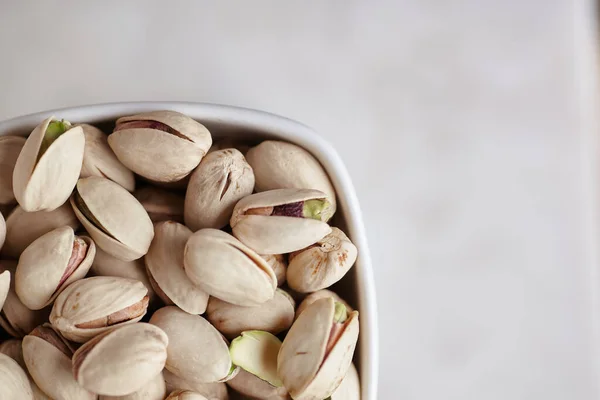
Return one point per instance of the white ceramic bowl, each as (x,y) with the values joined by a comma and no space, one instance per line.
(357,287)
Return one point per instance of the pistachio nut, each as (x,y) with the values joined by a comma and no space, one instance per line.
(99,159)
(279,264)
(220,181)
(10,148)
(321,264)
(164,263)
(279,165)
(256,352)
(282,220)
(175,139)
(185,395)
(14,349)
(197,352)
(153,390)
(4,287)
(318,349)
(14,384)
(160,204)
(2,230)
(252,387)
(212,391)
(121,361)
(48,358)
(224,267)
(311,298)
(275,315)
(113,217)
(349,389)
(94,305)
(16,319)
(51,263)
(22,227)
(48,166)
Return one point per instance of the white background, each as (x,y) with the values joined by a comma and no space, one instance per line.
(455,119)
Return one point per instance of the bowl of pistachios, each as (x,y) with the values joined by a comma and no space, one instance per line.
(180,251)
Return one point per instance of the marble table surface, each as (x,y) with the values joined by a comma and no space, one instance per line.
(457,121)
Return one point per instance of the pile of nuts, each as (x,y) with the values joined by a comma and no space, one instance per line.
(153,264)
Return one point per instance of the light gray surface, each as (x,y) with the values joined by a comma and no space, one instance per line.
(456,122)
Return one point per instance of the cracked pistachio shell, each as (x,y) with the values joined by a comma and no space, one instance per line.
(307,364)
(311,298)
(121,361)
(224,267)
(178,141)
(277,234)
(185,395)
(279,165)
(164,263)
(94,305)
(253,387)
(16,319)
(349,389)
(43,180)
(274,316)
(13,349)
(279,264)
(125,230)
(99,159)
(197,352)
(48,359)
(160,204)
(14,384)
(22,227)
(2,230)
(220,181)
(10,148)
(322,264)
(153,390)
(212,391)
(50,264)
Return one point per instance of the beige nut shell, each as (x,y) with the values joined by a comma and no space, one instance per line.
(253,387)
(212,391)
(153,390)
(185,395)
(311,298)
(14,384)
(10,148)
(349,389)
(279,264)
(2,230)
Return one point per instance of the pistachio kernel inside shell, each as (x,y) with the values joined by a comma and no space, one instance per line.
(51,336)
(78,254)
(53,132)
(149,124)
(313,209)
(132,312)
(340,317)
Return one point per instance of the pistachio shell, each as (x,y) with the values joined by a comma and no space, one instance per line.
(212,391)
(4,287)
(43,183)
(128,229)
(255,388)
(322,264)
(14,384)
(160,204)
(121,361)
(279,165)
(153,390)
(164,262)
(99,159)
(225,268)
(279,264)
(10,148)
(220,181)
(13,349)
(311,364)
(197,352)
(185,395)
(275,234)
(311,298)
(274,316)
(179,151)
(94,299)
(2,230)
(22,227)
(349,389)
(43,270)
(50,367)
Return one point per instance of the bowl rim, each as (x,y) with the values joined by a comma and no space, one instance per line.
(277,127)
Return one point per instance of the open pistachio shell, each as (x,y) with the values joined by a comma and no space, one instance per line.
(164,262)
(279,165)
(48,165)
(51,263)
(113,217)
(311,298)
(99,159)
(122,360)
(185,395)
(274,316)
(279,264)
(160,204)
(14,349)
(212,391)
(220,181)
(91,306)
(153,390)
(22,227)
(197,352)
(10,148)
(349,389)
(318,350)
(281,221)
(224,267)
(253,387)
(175,139)
(14,384)
(322,264)
(48,359)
